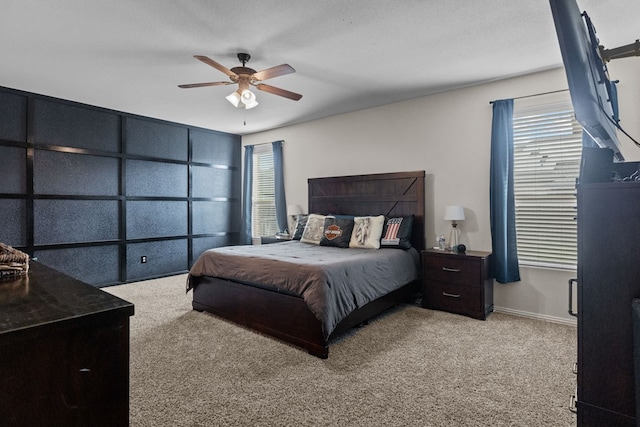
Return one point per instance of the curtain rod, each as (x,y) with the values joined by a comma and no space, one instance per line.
(536,94)
(265,143)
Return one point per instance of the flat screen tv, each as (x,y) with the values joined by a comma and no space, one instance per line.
(589,83)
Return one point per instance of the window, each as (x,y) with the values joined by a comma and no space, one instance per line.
(547,150)
(263,200)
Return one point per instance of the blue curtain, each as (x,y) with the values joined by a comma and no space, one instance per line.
(278,180)
(502,203)
(247,185)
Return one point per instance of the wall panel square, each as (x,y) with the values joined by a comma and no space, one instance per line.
(13,222)
(13,169)
(59,173)
(13,111)
(215,182)
(156,218)
(215,148)
(56,123)
(215,217)
(163,257)
(95,265)
(75,221)
(156,179)
(156,139)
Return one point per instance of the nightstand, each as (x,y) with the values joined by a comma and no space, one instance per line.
(274,239)
(457,282)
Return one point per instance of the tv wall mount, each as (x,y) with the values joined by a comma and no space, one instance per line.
(626,51)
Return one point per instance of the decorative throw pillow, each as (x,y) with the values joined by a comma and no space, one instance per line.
(367,231)
(397,232)
(314,229)
(299,228)
(337,232)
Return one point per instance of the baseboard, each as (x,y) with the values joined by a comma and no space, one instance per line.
(537,316)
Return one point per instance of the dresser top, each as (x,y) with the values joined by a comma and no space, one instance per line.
(45,296)
(475,254)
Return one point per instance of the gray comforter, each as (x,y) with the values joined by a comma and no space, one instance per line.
(332,281)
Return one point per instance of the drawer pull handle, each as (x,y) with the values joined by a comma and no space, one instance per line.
(446,294)
(571,282)
(452,270)
(573,407)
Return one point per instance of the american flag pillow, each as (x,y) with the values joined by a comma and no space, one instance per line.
(397,232)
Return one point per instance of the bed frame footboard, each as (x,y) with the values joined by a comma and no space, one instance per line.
(282,316)
(279,315)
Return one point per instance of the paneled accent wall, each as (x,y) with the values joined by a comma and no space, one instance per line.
(92,192)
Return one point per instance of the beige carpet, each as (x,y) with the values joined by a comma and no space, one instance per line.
(408,367)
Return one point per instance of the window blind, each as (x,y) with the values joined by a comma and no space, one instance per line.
(263,202)
(547,151)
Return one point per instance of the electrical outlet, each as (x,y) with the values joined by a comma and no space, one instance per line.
(143,259)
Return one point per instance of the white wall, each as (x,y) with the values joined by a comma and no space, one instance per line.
(627,70)
(448,136)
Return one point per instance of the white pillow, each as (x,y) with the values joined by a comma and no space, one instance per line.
(314,230)
(367,232)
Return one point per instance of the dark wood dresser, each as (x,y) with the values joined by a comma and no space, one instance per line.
(457,282)
(64,352)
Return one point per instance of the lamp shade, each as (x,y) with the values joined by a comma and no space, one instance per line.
(248,98)
(294,209)
(454,213)
(234,99)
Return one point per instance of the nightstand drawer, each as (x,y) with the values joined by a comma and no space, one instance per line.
(455,298)
(453,270)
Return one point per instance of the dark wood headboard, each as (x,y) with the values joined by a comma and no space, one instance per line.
(389,194)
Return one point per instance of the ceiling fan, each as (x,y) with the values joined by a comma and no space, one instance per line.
(245,77)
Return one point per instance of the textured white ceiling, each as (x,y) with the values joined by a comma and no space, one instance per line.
(130,55)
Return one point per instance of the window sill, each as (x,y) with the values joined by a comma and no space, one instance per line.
(544,266)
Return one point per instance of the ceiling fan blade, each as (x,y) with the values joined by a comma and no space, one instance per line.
(278,70)
(277,91)
(187,86)
(215,65)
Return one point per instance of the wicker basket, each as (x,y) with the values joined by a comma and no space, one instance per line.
(12,262)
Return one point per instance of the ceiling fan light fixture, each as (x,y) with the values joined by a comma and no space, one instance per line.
(245,100)
(248,98)
(234,99)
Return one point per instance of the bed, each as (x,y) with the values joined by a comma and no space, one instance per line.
(280,306)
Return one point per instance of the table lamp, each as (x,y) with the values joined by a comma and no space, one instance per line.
(454,213)
(293,211)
